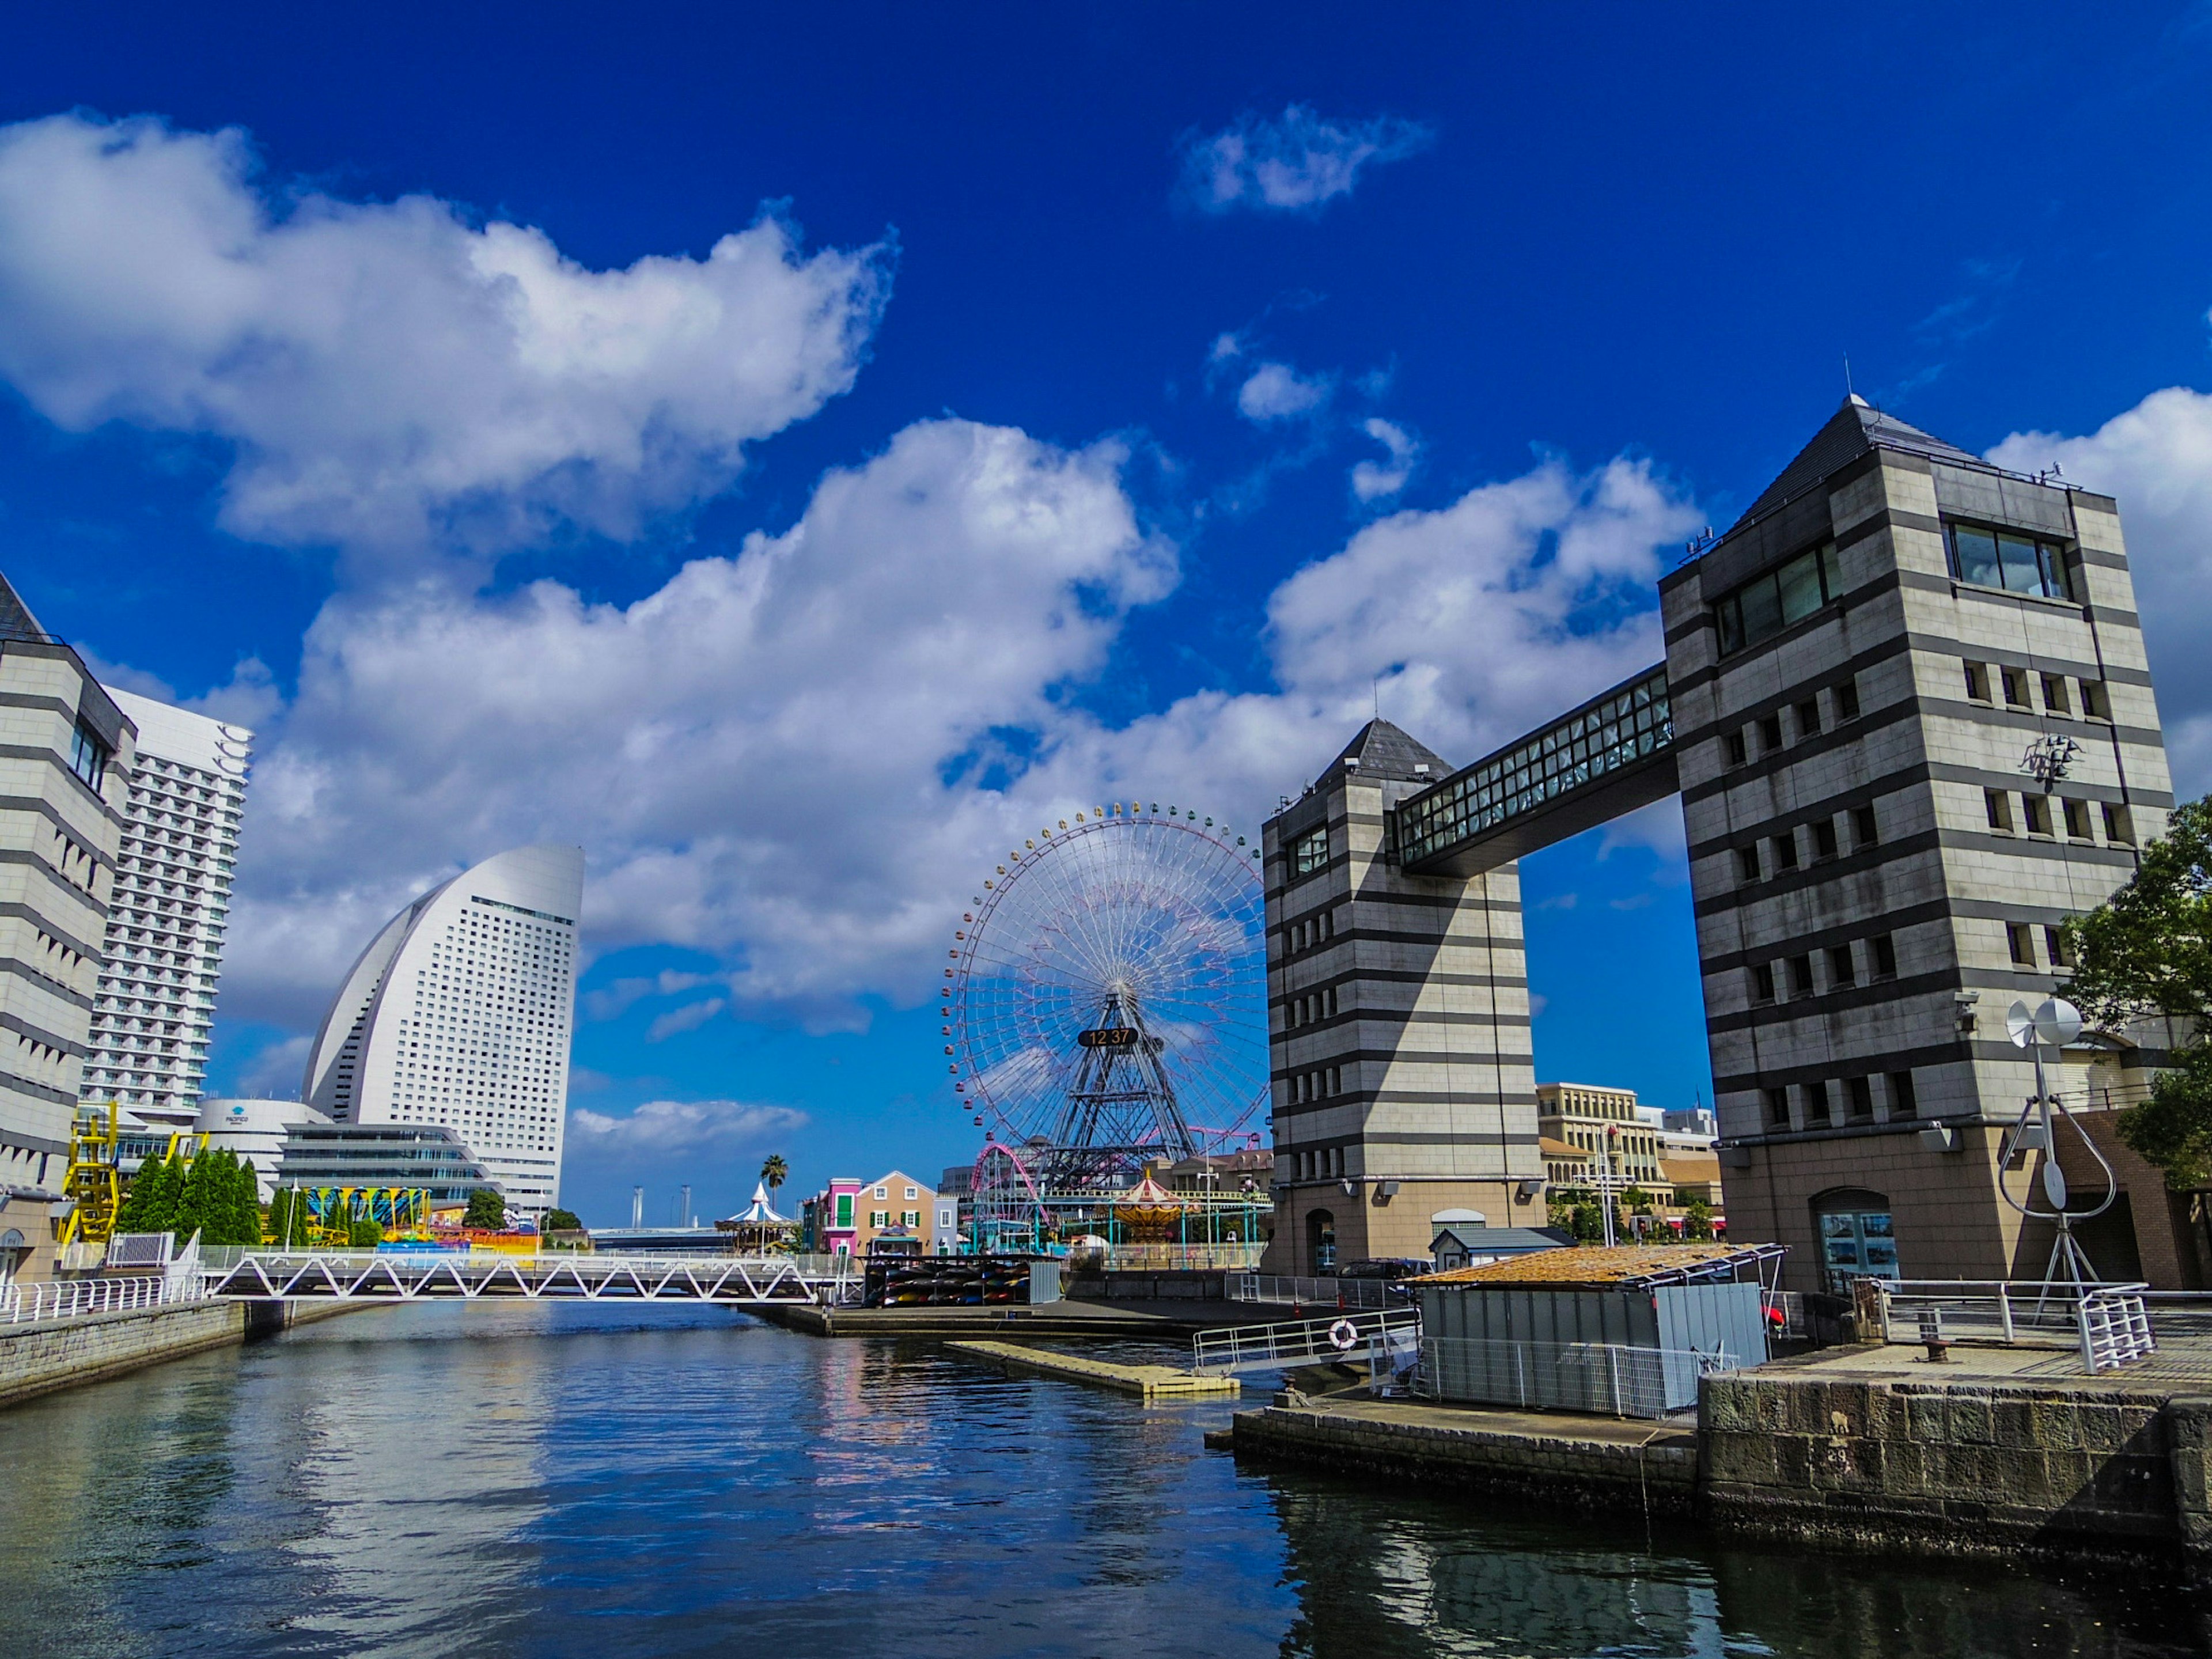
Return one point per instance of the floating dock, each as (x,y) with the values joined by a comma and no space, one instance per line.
(1148,1383)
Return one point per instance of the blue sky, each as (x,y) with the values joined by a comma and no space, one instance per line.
(1084,398)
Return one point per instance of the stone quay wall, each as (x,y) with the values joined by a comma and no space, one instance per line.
(40,1357)
(1655,1471)
(1970,1468)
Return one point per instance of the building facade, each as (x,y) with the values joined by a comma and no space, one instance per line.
(829,1222)
(257,1130)
(65,762)
(320,1153)
(1916,732)
(459,1015)
(154,1008)
(1398,1015)
(1605,1125)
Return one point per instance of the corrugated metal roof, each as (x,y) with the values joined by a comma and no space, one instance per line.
(1591,1267)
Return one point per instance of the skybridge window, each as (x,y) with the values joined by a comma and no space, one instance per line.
(1776,599)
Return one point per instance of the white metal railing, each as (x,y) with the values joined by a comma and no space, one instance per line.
(1233,1256)
(1351,1337)
(1606,1377)
(77,1298)
(410,1275)
(1308,1292)
(2109,1324)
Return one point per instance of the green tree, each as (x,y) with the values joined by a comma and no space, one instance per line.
(1638,1200)
(1697,1219)
(562,1221)
(150,1205)
(280,1217)
(487,1211)
(365,1235)
(2147,951)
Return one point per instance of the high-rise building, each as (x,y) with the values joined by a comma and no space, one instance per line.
(64,766)
(459,1014)
(163,944)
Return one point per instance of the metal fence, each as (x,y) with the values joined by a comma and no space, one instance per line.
(2109,1325)
(1605,1377)
(1168,1258)
(1309,1292)
(19,1304)
(1351,1338)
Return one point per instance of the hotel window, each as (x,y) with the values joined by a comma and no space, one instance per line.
(1998,804)
(2095,703)
(1762,981)
(2015,686)
(2054,694)
(2054,943)
(2038,814)
(2077,819)
(1885,956)
(1977,682)
(1841,972)
(1738,753)
(1785,850)
(1861,1092)
(1824,839)
(1771,601)
(1770,734)
(2118,826)
(2008,559)
(2021,941)
(1903,1101)
(1801,976)
(1778,1108)
(1310,851)
(1808,719)
(88,756)
(1863,829)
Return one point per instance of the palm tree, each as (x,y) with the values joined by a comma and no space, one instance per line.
(775,1172)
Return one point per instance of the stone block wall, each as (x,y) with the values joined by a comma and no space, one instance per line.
(39,1358)
(1965,1467)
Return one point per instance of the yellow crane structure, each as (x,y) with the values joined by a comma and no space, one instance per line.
(93,1184)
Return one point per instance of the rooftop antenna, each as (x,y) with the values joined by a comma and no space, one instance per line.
(1849,390)
(1374,684)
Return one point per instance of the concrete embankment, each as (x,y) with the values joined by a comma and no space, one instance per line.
(1171,1323)
(40,1357)
(1148,1383)
(1858,1451)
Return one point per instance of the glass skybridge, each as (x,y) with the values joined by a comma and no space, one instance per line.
(1610,756)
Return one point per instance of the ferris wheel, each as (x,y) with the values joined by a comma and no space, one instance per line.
(1107,1002)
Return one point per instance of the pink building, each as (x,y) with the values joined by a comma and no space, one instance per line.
(828,1223)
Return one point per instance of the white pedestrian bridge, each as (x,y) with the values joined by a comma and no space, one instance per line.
(565,1276)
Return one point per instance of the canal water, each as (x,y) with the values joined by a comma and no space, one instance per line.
(549,1481)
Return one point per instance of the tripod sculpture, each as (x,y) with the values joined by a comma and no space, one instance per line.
(2056,1022)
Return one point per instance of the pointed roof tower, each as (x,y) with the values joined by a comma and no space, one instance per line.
(1384,752)
(1851,431)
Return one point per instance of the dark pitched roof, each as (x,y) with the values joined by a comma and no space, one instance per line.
(1854,429)
(1383,751)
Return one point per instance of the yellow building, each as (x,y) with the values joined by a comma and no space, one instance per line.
(1602,1124)
(893,1203)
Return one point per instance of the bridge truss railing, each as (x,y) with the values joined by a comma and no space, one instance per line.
(407,1276)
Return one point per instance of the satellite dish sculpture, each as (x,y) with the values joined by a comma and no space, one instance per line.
(2056,1022)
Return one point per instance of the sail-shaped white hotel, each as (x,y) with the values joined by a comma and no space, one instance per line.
(459,1014)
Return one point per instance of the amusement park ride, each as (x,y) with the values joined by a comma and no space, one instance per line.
(1105,1012)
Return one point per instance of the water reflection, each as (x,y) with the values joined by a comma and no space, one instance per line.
(547,1482)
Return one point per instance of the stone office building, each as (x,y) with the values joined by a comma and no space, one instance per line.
(1907,709)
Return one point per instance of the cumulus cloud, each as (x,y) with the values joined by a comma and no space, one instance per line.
(689,1126)
(612,1001)
(1370,480)
(775,757)
(391,375)
(1276,391)
(2156,458)
(1295,163)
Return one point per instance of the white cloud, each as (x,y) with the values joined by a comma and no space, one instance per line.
(1276,391)
(2156,458)
(391,374)
(612,1001)
(665,1126)
(1297,163)
(775,757)
(689,1018)
(1373,479)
